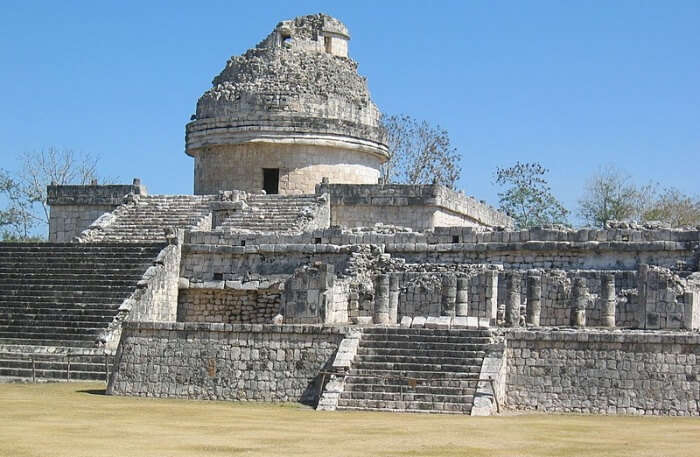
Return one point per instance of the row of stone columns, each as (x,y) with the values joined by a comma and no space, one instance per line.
(534,300)
(455,299)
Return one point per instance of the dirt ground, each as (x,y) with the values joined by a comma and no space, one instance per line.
(79,420)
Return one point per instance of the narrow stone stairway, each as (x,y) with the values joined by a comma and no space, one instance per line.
(273,213)
(415,370)
(55,298)
(145,219)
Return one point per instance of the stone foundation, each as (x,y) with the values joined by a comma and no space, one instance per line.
(223,362)
(604,372)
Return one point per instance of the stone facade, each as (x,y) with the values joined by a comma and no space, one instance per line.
(257,306)
(419,207)
(223,361)
(241,167)
(604,372)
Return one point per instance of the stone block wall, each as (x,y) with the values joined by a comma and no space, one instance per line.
(250,362)
(603,372)
(228,306)
(515,250)
(240,166)
(420,207)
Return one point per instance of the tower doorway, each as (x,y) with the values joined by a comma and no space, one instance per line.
(271,180)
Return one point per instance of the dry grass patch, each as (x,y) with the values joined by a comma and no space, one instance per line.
(77,420)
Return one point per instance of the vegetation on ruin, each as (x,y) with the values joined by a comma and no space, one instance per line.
(77,420)
(419,153)
(611,194)
(527,197)
(24,208)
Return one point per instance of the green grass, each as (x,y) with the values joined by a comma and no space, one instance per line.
(77,420)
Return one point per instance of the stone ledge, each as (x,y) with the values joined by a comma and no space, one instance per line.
(603,336)
(253,328)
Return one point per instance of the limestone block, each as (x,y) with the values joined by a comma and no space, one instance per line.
(418,322)
(460,322)
(406,322)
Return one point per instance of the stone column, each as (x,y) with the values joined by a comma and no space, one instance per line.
(394,297)
(513,300)
(534,300)
(353,306)
(449,295)
(578,313)
(462,304)
(491,296)
(642,294)
(381,301)
(609,299)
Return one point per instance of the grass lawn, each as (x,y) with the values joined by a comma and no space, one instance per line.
(78,420)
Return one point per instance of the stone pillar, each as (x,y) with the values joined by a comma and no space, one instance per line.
(353,306)
(394,297)
(642,294)
(513,300)
(491,296)
(580,295)
(609,298)
(691,316)
(381,301)
(462,303)
(534,300)
(449,295)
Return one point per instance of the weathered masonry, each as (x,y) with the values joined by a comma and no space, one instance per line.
(291,275)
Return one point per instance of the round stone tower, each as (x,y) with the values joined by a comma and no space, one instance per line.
(286,114)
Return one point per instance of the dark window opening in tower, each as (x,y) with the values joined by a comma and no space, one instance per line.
(327,42)
(271,180)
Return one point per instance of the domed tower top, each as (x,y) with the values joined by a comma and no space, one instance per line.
(287,113)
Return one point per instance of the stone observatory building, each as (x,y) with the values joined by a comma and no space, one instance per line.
(286,114)
(291,275)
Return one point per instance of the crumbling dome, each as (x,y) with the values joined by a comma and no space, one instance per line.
(286,114)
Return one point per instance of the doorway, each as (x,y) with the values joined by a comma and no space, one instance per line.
(271,180)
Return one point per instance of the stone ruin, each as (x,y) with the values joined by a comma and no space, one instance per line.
(291,275)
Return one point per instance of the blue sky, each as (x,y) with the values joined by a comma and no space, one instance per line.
(574,85)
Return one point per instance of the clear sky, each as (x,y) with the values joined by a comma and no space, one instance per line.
(574,85)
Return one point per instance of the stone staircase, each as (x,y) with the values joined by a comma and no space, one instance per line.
(274,213)
(55,298)
(415,370)
(145,219)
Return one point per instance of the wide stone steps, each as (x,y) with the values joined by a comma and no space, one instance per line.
(411,352)
(43,321)
(415,370)
(50,332)
(371,385)
(425,360)
(51,306)
(56,342)
(404,406)
(62,296)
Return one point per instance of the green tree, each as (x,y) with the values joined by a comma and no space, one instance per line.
(527,197)
(419,153)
